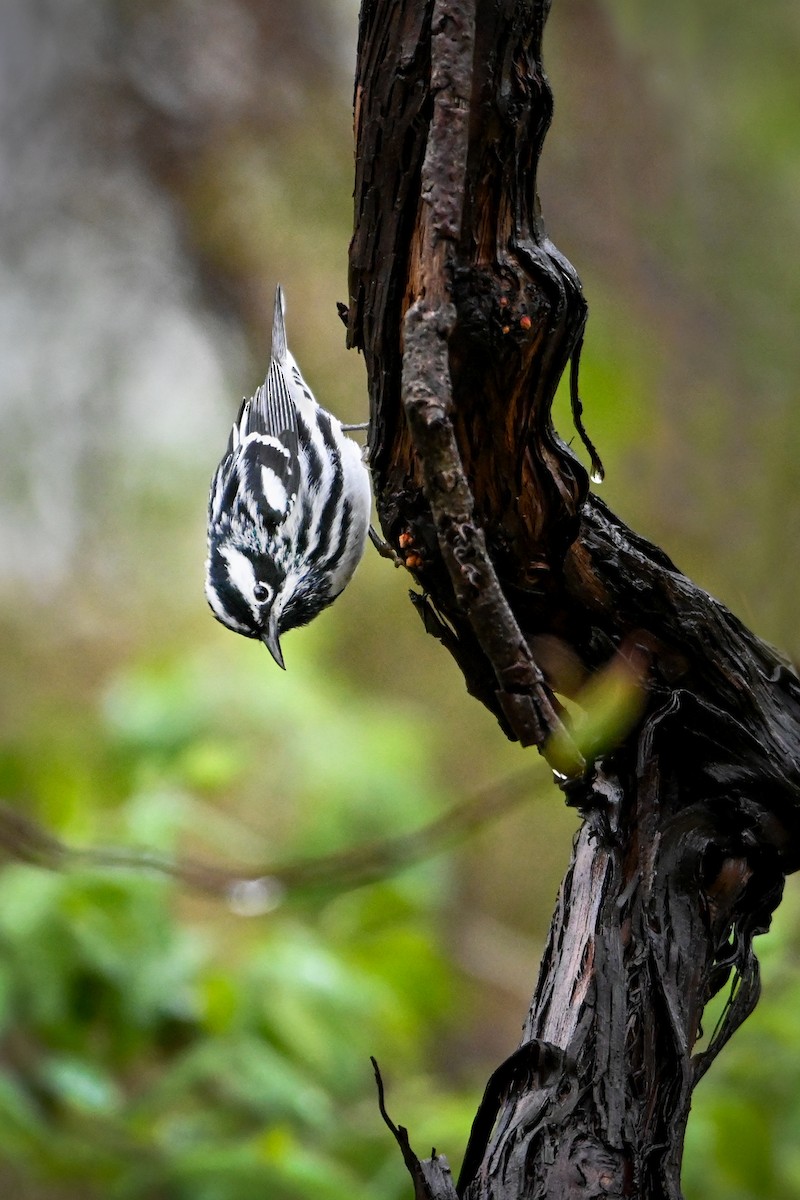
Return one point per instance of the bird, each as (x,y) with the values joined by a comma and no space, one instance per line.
(289,507)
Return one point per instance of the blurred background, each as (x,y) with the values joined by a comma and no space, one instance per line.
(162,165)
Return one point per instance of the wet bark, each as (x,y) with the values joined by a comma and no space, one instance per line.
(467,316)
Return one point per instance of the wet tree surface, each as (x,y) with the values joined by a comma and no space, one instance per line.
(467,317)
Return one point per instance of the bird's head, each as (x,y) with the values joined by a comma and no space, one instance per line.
(244,589)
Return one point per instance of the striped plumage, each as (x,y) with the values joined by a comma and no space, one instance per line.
(288,513)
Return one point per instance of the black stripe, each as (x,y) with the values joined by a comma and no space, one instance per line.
(335,556)
(310,459)
(304,527)
(330,508)
(324,423)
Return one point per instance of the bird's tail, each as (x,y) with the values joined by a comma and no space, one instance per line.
(279,327)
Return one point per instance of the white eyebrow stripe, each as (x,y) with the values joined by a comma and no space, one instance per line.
(222,612)
(241,575)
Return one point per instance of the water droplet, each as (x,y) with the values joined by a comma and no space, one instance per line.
(597,475)
(254,897)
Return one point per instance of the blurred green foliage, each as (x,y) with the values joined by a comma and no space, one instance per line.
(158,1045)
(166,164)
(742,1137)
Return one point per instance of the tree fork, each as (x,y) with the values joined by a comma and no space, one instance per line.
(467,316)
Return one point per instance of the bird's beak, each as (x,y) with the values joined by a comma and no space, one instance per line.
(270,640)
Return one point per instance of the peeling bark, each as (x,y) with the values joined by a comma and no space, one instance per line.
(467,316)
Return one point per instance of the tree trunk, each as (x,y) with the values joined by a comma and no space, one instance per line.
(467,316)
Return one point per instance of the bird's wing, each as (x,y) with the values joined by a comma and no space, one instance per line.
(266,459)
(261,467)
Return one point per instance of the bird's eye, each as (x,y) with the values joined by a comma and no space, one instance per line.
(261,593)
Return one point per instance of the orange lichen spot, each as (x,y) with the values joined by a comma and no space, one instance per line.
(506,329)
(413,562)
(525,322)
(405,540)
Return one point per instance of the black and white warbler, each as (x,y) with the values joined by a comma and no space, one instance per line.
(288,514)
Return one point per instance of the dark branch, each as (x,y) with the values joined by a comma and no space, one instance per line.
(25,840)
(468,316)
(431,1176)
(527,705)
